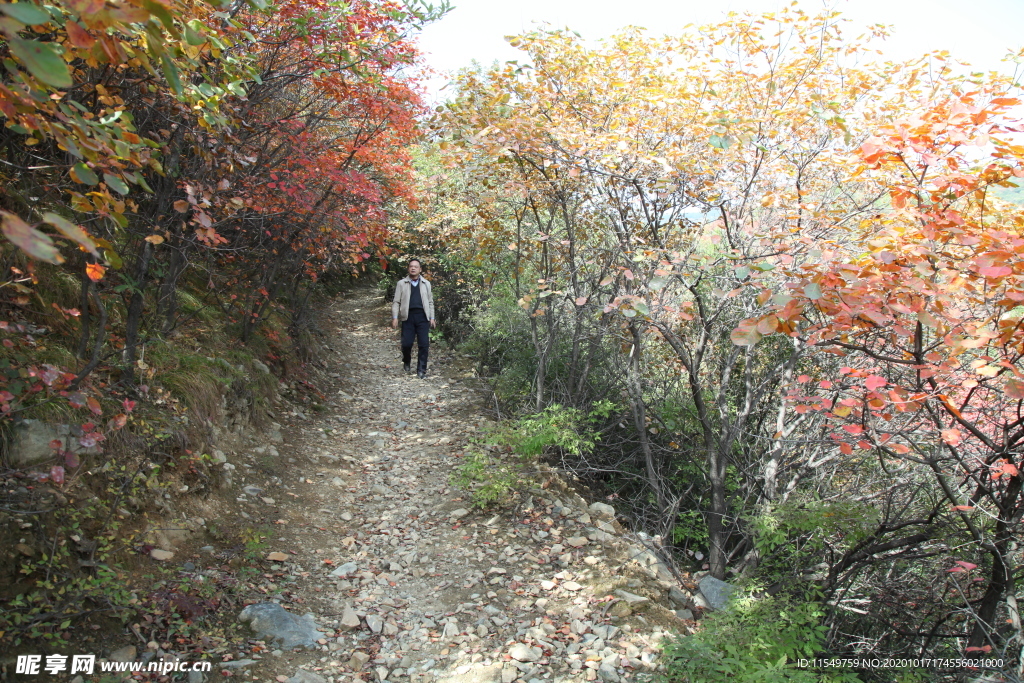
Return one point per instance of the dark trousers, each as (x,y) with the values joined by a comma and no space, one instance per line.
(416,326)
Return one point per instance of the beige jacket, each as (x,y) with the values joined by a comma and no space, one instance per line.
(403,291)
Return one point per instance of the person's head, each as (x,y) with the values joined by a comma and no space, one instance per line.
(415,268)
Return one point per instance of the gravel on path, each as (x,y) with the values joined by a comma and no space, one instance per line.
(406,579)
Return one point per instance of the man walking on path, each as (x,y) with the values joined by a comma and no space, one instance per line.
(414,306)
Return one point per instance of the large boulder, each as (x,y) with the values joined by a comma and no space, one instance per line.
(272,621)
(716,592)
(29,442)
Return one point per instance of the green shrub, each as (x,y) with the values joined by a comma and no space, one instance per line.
(758,640)
(555,426)
(493,478)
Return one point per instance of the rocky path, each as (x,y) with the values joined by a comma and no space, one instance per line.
(405,580)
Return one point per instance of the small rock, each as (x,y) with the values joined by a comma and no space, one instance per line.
(375,623)
(509,674)
(26,550)
(303,676)
(684,614)
(236,664)
(591,560)
(607,673)
(345,570)
(277,557)
(358,661)
(602,510)
(620,609)
(678,596)
(161,555)
(458,514)
(577,541)
(571,586)
(524,653)
(451,629)
(124,654)
(349,618)
(632,598)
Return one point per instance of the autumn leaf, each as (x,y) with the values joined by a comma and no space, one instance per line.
(72,231)
(94,406)
(768,324)
(26,12)
(95,271)
(745,334)
(115,183)
(34,243)
(78,36)
(81,173)
(1014,388)
(951,437)
(875,382)
(42,61)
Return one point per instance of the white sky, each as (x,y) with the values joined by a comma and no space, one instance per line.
(977,31)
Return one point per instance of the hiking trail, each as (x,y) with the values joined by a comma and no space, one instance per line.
(404,578)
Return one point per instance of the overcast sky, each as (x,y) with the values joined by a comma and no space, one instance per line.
(978,31)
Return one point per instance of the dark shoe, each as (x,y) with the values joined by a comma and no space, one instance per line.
(408,368)
(421,374)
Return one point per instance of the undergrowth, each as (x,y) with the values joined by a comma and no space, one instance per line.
(72,533)
(755,639)
(499,462)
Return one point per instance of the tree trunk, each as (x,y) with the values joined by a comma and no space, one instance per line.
(135,305)
(1001,579)
(717,535)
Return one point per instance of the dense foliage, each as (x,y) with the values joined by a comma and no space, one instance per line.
(790,269)
(172,166)
(762,288)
